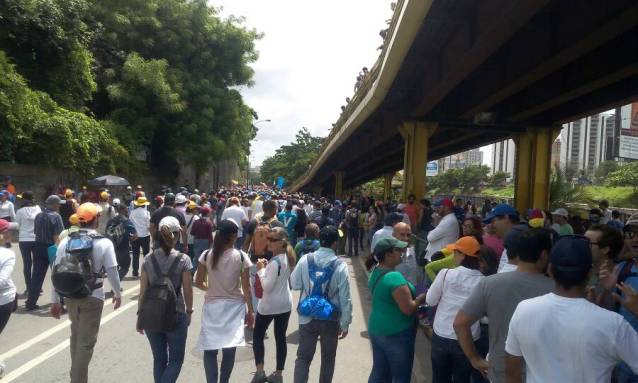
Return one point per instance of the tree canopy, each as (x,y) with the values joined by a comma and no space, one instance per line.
(626,175)
(467,179)
(292,160)
(158,77)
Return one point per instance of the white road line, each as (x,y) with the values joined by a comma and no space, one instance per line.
(50,332)
(13,375)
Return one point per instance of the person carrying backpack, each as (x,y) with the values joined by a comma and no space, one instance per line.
(121,231)
(325,307)
(165,304)
(81,261)
(311,243)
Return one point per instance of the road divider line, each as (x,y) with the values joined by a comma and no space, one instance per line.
(52,331)
(15,374)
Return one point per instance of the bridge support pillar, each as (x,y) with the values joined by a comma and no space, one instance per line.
(533,167)
(416,135)
(387,186)
(338,185)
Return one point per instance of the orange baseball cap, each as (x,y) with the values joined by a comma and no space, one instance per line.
(87,212)
(467,245)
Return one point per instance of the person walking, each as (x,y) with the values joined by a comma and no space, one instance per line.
(47,227)
(392,323)
(141,218)
(84,301)
(333,289)
(352,226)
(121,231)
(448,292)
(25,218)
(8,295)
(168,347)
(202,232)
(275,304)
(227,297)
(237,214)
(7,212)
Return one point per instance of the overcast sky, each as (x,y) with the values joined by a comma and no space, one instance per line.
(310,56)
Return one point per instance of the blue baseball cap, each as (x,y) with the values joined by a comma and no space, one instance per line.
(501,209)
(572,253)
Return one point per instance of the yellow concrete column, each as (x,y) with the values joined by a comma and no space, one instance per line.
(387,186)
(338,185)
(533,167)
(416,135)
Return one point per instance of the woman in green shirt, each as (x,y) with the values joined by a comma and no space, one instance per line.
(392,323)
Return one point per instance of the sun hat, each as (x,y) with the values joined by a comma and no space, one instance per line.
(386,244)
(467,245)
(141,201)
(104,195)
(88,211)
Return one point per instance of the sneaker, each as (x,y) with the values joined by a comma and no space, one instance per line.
(31,307)
(3,368)
(260,377)
(272,378)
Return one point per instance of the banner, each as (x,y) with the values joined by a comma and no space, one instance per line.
(280,182)
(432,169)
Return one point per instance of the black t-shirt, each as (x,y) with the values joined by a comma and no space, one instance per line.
(166,211)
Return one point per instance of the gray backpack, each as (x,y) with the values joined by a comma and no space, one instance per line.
(158,311)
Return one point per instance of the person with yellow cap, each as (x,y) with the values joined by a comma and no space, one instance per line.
(141,218)
(69,208)
(108,212)
(450,289)
(85,304)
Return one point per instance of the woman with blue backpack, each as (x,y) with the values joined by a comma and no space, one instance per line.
(275,304)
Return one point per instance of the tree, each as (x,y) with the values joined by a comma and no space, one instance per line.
(626,175)
(473,177)
(293,160)
(499,178)
(603,169)
(562,192)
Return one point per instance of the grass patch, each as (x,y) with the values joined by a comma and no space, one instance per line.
(502,192)
(620,196)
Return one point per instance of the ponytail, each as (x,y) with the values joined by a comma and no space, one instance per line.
(220,243)
(166,239)
(291,256)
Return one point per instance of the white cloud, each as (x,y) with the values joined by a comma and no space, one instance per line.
(310,56)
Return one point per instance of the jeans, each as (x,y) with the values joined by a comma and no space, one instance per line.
(85,315)
(483,347)
(327,332)
(625,375)
(261,325)
(145,244)
(27,249)
(210,365)
(168,351)
(40,267)
(392,357)
(5,313)
(199,246)
(123,261)
(353,240)
(449,363)
(362,233)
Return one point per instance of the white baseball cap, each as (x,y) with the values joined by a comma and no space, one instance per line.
(561,212)
(180,199)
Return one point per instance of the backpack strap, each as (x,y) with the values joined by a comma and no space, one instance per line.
(379,278)
(278,261)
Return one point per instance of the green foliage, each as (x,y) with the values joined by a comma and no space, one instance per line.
(499,178)
(626,175)
(293,160)
(562,192)
(603,169)
(468,179)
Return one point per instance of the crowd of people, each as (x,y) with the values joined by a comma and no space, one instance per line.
(503,297)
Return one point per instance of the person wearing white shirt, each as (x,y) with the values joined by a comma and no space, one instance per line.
(7,212)
(446,232)
(25,218)
(141,218)
(238,215)
(562,337)
(448,292)
(7,288)
(387,230)
(276,302)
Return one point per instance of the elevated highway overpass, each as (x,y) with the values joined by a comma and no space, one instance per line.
(459,74)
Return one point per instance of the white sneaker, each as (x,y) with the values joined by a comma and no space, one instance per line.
(2,369)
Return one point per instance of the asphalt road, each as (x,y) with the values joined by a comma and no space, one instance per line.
(34,346)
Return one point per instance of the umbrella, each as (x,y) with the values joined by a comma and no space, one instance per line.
(109,180)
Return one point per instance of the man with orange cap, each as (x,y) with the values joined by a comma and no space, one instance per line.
(85,312)
(107,212)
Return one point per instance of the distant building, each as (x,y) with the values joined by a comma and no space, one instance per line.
(461,160)
(589,141)
(503,157)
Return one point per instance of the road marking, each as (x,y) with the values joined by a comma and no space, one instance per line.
(23,346)
(51,352)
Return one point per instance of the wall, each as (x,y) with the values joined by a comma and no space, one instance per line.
(218,174)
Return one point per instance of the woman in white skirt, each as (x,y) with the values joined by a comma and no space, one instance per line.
(276,303)
(224,315)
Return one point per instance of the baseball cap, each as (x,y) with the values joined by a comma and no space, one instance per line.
(400,206)
(205,210)
(88,211)
(54,199)
(561,212)
(444,202)
(501,209)
(169,198)
(328,235)
(389,243)
(228,226)
(74,219)
(171,223)
(392,219)
(104,195)
(192,205)
(26,195)
(68,193)
(467,245)
(572,253)
(180,199)
(141,201)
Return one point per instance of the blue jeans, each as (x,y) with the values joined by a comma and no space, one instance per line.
(449,363)
(392,357)
(199,246)
(625,375)
(168,351)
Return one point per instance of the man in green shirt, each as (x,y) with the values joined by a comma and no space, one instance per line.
(560,222)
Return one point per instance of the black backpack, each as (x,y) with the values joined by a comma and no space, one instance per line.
(73,275)
(158,311)
(116,230)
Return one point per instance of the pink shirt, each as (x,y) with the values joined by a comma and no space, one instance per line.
(224,281)
(493,242)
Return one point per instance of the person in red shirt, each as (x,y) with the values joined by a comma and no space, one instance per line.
(413,210)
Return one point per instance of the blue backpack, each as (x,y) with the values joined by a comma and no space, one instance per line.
(317,305)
